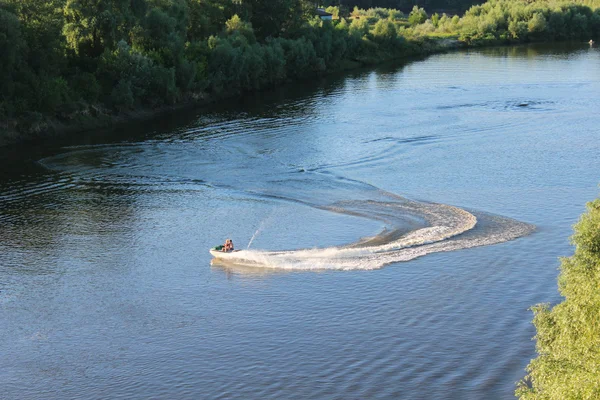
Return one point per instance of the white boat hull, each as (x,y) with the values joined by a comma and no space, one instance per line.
(223,254)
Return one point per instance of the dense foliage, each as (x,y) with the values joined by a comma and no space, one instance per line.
(506,21)
(72,58)
(76,60)
(568,335)
(406,5)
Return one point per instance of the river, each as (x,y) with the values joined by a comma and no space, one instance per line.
(395,225)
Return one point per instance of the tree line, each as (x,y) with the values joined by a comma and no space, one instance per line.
(76,60)
(455,6)
(510,21)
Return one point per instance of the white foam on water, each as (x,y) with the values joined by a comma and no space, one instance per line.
(460,231)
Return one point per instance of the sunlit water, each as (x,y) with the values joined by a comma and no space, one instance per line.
(402,220)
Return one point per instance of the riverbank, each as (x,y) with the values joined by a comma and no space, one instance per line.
(95,117)
(19,131)
(57,79)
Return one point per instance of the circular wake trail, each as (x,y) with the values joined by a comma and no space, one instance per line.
(412,228)
(450,228)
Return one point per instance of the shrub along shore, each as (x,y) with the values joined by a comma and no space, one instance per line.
(71,65)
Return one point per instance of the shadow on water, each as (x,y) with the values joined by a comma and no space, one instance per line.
(289,100)
(532,51)
(267,103)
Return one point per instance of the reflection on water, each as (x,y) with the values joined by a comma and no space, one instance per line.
(107,288)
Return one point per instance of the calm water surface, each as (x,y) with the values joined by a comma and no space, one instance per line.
(107,289)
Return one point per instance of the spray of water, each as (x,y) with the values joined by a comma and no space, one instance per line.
(261,227)
(254,235)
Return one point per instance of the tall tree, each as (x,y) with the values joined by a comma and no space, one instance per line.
(277,17)
(41,24)
(93,25)
(207,17)
(568,335)
(12,48)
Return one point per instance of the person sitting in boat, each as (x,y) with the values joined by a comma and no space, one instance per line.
(228,246)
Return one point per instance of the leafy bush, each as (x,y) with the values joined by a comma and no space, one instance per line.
(51,93)
(334,11)
(395,15)
(537,24)
(359,27)
(86,86)
(518,29)
(12,47)
(384,31)
(300,57)
(235,25)
(417,16)
(568,333)
(122,96)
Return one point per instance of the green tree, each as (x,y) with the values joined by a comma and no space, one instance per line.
(435,19)
(235,25)
(537,24)
(334,11)
(384,31)
(579,26)
(274,17)
(518,30)
(93,25)
(12,47)
(395,15)
(161,34)
(417,16)
(359,27)
(556,25)
(206,17)
(568,334)
(41,24)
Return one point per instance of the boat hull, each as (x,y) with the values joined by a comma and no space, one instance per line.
(222,254)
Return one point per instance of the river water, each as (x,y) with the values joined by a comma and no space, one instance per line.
(395,225)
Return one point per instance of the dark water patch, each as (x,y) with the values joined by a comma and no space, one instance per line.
(530,105)
(416,140)
(505,105)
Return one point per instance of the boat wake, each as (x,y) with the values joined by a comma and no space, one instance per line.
(414,230)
